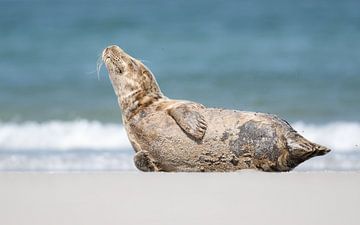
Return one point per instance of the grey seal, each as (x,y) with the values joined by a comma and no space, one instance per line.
(177,135)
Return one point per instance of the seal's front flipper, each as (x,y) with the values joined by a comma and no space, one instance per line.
(144,162)
(189,119)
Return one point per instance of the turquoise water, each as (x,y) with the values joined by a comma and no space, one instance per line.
(300,60)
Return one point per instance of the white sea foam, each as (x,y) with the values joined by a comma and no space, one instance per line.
(338,136)
(66,161)
(90,145)
(84,134)
(62,135)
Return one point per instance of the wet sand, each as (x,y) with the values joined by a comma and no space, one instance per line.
(185,198)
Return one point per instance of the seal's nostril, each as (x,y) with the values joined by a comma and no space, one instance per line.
(106,53)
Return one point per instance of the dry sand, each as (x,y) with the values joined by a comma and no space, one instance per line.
(160,198)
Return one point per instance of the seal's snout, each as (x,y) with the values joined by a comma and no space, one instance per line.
(110,51)
(114,59)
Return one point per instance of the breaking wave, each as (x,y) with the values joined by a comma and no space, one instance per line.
(84,134)
(84,145)
(338,136)
(63,135)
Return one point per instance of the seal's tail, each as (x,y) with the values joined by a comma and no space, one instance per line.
(301,149)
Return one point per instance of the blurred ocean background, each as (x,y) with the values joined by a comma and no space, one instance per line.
(297,59)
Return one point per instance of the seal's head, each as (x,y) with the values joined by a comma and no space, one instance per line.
(132,81)
(117,61)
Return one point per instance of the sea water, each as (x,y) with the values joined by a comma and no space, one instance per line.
(299,60)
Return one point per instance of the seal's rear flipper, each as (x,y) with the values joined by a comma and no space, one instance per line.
(189,119)
(301,149)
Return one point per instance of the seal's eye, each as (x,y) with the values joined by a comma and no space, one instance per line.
(131,66)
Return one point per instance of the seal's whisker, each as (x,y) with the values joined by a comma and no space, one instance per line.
(144,60)
(99,64)
(91,72)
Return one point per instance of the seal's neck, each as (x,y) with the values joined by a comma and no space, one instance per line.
(136,88)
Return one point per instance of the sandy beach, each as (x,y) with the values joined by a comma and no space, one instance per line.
(185,198)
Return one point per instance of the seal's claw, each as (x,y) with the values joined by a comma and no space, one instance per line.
(144,162)
(189,119)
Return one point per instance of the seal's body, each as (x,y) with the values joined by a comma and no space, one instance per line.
(176,135)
